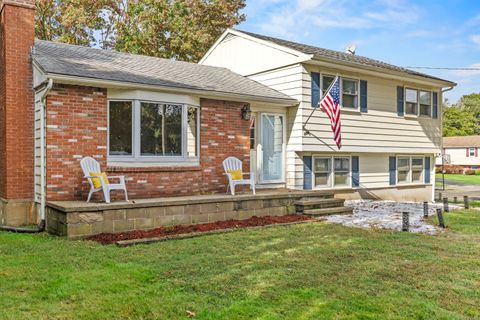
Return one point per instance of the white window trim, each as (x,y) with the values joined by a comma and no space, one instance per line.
(341,90)
(136,156)
(407,115)
(410,170)
(331,176)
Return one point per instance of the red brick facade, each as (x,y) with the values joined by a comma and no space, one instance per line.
(76,120)
(16,99)
(77,127)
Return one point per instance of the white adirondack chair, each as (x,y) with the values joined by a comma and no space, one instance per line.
(88,165)
(232,163)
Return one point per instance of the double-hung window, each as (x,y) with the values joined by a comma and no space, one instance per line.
(152,131)
(349,89)
(410,169)
(418,102)
(349,93)
(411,101)
(331,172)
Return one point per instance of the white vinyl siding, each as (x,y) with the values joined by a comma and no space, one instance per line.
(378,130)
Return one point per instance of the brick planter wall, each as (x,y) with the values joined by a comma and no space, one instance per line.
(77,127)
(78,220)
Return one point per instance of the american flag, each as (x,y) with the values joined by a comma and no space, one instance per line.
(330,104)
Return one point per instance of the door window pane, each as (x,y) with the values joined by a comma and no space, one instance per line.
(120,128)
(160,129)
(272,147)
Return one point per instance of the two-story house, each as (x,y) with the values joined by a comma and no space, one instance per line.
(166,127)
(391,119)
(460,151)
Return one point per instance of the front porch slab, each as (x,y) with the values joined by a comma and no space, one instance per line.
(76,219)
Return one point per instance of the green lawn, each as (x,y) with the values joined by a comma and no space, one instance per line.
(459,178)
(307,271)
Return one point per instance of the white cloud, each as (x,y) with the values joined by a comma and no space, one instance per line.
(475,39)
(290,17)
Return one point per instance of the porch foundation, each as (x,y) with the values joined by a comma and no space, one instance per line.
(75,219)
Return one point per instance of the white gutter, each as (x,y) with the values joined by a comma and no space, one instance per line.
(42,148)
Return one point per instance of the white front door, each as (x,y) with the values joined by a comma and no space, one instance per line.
(272,150)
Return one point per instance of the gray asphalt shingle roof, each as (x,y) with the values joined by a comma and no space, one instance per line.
(321,53)
(461,141)
(85,62)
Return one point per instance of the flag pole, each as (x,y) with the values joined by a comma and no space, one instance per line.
(314,108)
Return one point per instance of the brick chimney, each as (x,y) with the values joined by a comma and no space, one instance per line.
(16,111)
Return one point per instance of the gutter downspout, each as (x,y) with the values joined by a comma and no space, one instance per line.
(43,102)
(41,226)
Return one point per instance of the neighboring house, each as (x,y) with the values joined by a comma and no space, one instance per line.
(391,119)
(461,151)
(168,125)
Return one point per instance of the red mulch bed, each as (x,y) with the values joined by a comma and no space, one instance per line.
(109,238)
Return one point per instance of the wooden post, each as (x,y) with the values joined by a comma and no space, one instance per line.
(455,200)
(425,209)
(439,196)
(405,221)
(445,205)
(466,202)
(441,222)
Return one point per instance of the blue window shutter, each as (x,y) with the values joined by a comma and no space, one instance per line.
(435,106)
(400,106)
(315,89)
(307,173)
(427,169)
(363,96)
(393,170)
(355,172)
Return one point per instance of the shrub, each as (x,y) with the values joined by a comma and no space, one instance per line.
(477,172)
(453,169)
(470,172)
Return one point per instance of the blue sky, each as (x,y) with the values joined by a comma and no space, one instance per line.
(403,32)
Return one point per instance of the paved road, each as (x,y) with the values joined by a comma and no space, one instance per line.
(459,190)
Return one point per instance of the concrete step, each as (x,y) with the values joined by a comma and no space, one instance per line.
(318,203)
(320,195)
(328,211)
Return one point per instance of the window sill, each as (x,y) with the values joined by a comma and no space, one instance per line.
(411,116)
(350,110)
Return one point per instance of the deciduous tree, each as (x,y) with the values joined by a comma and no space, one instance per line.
(176,29)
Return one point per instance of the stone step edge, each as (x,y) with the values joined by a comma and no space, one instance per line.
(318,201)
(328,211)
